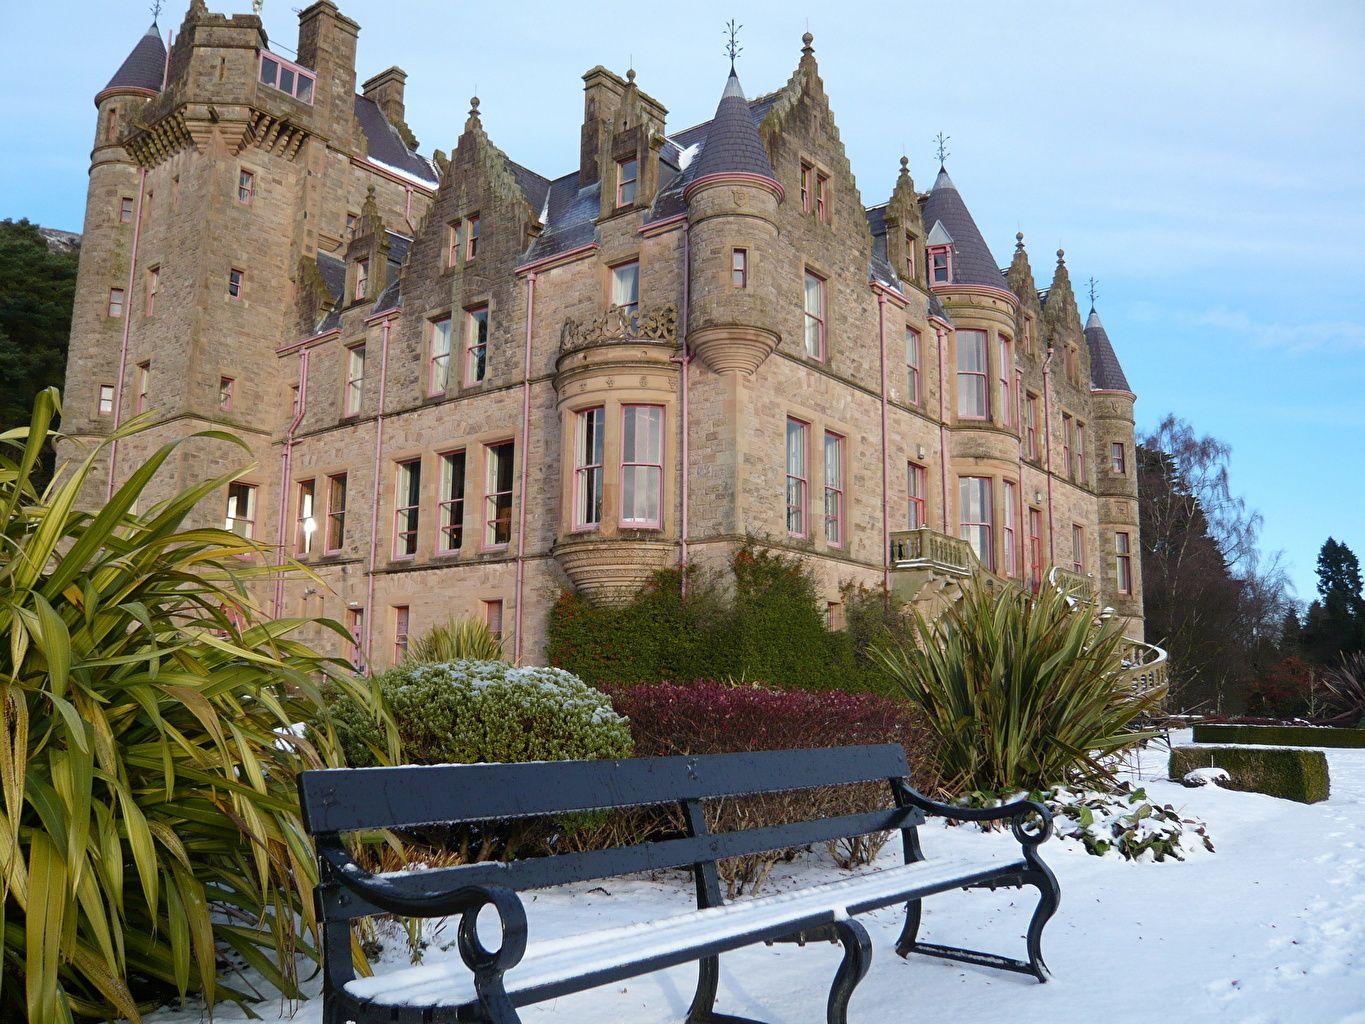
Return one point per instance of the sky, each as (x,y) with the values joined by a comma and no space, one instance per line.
(1205,162)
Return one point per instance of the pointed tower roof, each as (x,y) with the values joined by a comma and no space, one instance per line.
(946,214)
(1105,372)
(733,145)
(145,66)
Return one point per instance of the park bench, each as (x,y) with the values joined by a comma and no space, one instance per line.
(488,984)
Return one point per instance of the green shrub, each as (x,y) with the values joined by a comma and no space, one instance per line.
(467,712)
(1022,692)
(148,747)
(1279,735)
(1292,774)
(457,640)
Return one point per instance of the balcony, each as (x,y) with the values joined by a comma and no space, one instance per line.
(1076,585)
(927,549)
(620,325)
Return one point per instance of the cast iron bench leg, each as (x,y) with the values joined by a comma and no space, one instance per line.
(853,968)
(703,1009)
(1049,896)
(906,942)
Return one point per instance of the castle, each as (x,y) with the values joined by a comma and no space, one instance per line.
(467,387)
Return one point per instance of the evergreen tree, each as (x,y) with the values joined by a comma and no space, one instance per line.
(37,287)
(1336,621)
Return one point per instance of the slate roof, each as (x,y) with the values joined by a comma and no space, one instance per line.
(972,259)
(385,145)
(145,66)
(733,145)
(1105,372)
(333,271)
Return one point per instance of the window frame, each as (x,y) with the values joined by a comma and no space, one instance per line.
(336,517)
(836,490)
(588,474)
(797,477)
(471,237)
(353,381)
(450,508)
(912,365)
(1118,458)
(1123,562)
(153,285)
(246,185)
(987,526)
(227,387)
(1005,374)
(303,536)
(614,279)
(125,209)
(439,360)
(931,254)
(299,73)
(822,197)
(1078,472)
(402,625)
(117,307)
(491,496)
(407,471)
(1078,547)
(1009,546)
(622,182)
(807,193)
(1031,450)
(638,463)
(236,284)
(1035,545)
(143,390)
(493,609)
(980,380)
(250,490)
(100,396)
(820,318)
(1068,428)
(355,628)
(361,289)
(474,348)
(916,495)
(739,267)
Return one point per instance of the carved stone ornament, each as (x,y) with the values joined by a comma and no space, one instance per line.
(617,324)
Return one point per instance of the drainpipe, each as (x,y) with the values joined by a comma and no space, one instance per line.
(287,478)
(943,420)
(1047,448)
(407,207)
(127,327)
(385,327)
(886,531)
(525,460)
(686,420)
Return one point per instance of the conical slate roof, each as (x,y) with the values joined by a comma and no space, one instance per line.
(1105,372)
(145,67)
(733,145)
(972,259)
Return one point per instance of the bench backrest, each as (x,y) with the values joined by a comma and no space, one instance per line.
(352,799)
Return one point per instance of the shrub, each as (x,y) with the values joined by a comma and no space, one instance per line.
(148,748)
(1279,735)
(1292,774)
(1345,686)
(1021,692)
(457,640)
(1284,691)
(708,717)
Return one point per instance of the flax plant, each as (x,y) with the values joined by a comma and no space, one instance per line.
(1022,692)
(150,842)
(463,639)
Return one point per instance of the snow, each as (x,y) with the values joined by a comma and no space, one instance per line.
(1204,776)
(400,172)
(1270,929)
(686,156)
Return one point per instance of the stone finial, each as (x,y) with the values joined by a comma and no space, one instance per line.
(630,75)
(473,121)
(1018,241)
(806,49)
(1061,256)
(905,165)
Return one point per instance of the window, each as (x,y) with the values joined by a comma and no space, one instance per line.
(293,401)
(105,407)
(815,316)
(246,185)
(1006,371)
(910,263)
(973,402)
(362,280)
(226,386)
(492,617)
(450,515)
(1035,546)
(642,465)
(401,620)
(498,494)
(916,484)
(115,302)
(912,366)
(307,524)
(476,344)
(241,510)
(1123,562)
(940,265)
(626,173)
(796,477)
(144,379)
(1078,547)
(807,173)
(471,237)
(355,380)
(739,268)
(454,242)
(336,512)
(587,483)
(834,489)
(1068,435)
(287,77)
(1028,335)
(1031,426)
(822,198)
(407,508)
(111,129)
(235,281)
(351,220)
(974,515)
(438,359)
(125,210)
(153,283)
(1118,460)
(355,626)
(1009,553)
(1078,470)
(625,288)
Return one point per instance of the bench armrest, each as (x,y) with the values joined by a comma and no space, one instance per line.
(1017,812)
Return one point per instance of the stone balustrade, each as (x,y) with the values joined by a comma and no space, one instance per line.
(930,549)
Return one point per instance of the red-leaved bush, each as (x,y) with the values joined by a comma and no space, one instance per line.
(710,717)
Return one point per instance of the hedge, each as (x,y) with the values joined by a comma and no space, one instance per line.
(1280,735)
(1292,774)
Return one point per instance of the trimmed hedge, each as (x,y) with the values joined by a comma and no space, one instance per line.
(1280,735)
(1291,774)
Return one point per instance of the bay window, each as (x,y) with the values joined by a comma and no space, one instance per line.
(974,516)
(642,465)
(587,495)
(973,402)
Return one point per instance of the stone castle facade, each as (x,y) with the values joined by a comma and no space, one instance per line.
(467,387)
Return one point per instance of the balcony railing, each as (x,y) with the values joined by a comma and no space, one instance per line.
(926,548)
(1073,584)
(1146,665)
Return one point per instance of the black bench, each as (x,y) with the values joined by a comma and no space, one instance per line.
(489,984)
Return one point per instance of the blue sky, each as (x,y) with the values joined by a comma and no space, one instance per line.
(1206,162)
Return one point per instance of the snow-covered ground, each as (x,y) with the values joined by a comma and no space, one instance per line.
(1270,928)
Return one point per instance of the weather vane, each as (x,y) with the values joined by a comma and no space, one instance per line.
(1093,292)
(942,141)
(156,10)
(732,48)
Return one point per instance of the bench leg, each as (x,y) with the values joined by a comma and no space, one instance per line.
(853,968)
(703,1008)
(910,931)
(1049,896)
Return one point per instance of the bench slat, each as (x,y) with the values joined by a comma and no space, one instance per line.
(559,869)
(349,799)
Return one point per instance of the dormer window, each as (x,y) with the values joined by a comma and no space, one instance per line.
(362,279)
(940,260)
(287,77)
(627,174)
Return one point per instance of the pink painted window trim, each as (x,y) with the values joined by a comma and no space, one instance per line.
(354,388)
(117,299)
(497,497)
(104,403)
(1067,428)
(1118,458)
(798,476)
(236,283)
(973,375)
(1078,547)
(807,171)
(355,627)
(454,242)
(286,76)
(978,531)
(471,237)
(939,259)
(627,181)
(438,355)
(625,287)
(834,488)
(1123,562)
(1031,427)
(910,262)
(246,185)
(450,509)
(1078,471)
(362,279)
(144,374)
(336,514)
(476,344)
(125,210)
(642,466)
(305,520)
(912,365)
(241,510)
(815,319)
(739,268)
(402,621)
(1035,545)
(153,284)
(589,471)
(917,505)
(822,198)
(407,508)
(226,387)
(1009,554)
(1006,373)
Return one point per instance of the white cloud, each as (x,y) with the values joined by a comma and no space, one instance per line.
(1297,338)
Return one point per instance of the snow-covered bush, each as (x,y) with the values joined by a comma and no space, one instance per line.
(1127,821)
